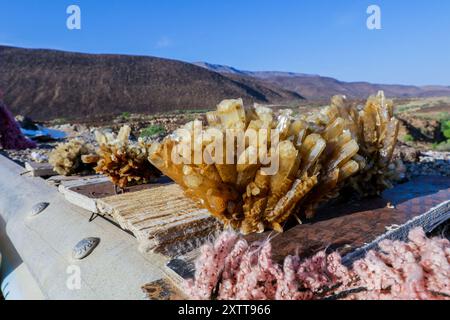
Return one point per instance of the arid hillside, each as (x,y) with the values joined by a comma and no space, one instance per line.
(48,84)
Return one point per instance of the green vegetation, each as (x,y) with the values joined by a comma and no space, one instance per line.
(444,116)
(59,121)
(191,111)
(445,128)
(435,109)
(443,146)
(152,131)
(423,103)
(433,116)
(126,115)
(425,108)
(408,138)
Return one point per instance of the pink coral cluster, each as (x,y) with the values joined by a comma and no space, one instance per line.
(10,135)
(231,269)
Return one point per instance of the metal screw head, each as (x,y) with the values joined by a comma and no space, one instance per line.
(38,208)
(84,248)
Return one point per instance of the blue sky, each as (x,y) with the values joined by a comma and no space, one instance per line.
(326,37)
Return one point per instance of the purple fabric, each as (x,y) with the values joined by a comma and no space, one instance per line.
(10,135)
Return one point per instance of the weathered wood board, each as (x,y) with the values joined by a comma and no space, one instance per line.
(162,219)
(58,180)
(86,191)
(158,215)
(71,191)
(40,169)
(353,228)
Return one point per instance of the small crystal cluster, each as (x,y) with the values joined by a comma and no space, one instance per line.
(376,130)
(319,154)
(232,269)
(124,161)
(66,157)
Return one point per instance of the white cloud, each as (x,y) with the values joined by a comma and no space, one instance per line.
(164,42)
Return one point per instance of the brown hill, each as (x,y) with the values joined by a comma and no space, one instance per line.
(318,87)
(46,84)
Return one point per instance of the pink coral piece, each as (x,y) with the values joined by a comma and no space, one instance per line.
(231,269)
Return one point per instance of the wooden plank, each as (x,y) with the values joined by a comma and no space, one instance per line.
(70,190)
(352,228)
(39,169)
(57,180)
(162,219)
(86,191)
(103,187)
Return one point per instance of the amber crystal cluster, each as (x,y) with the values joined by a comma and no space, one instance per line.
(316,155)
(124,161)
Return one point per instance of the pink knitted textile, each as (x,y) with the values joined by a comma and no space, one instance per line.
(231,269)
(10,135)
